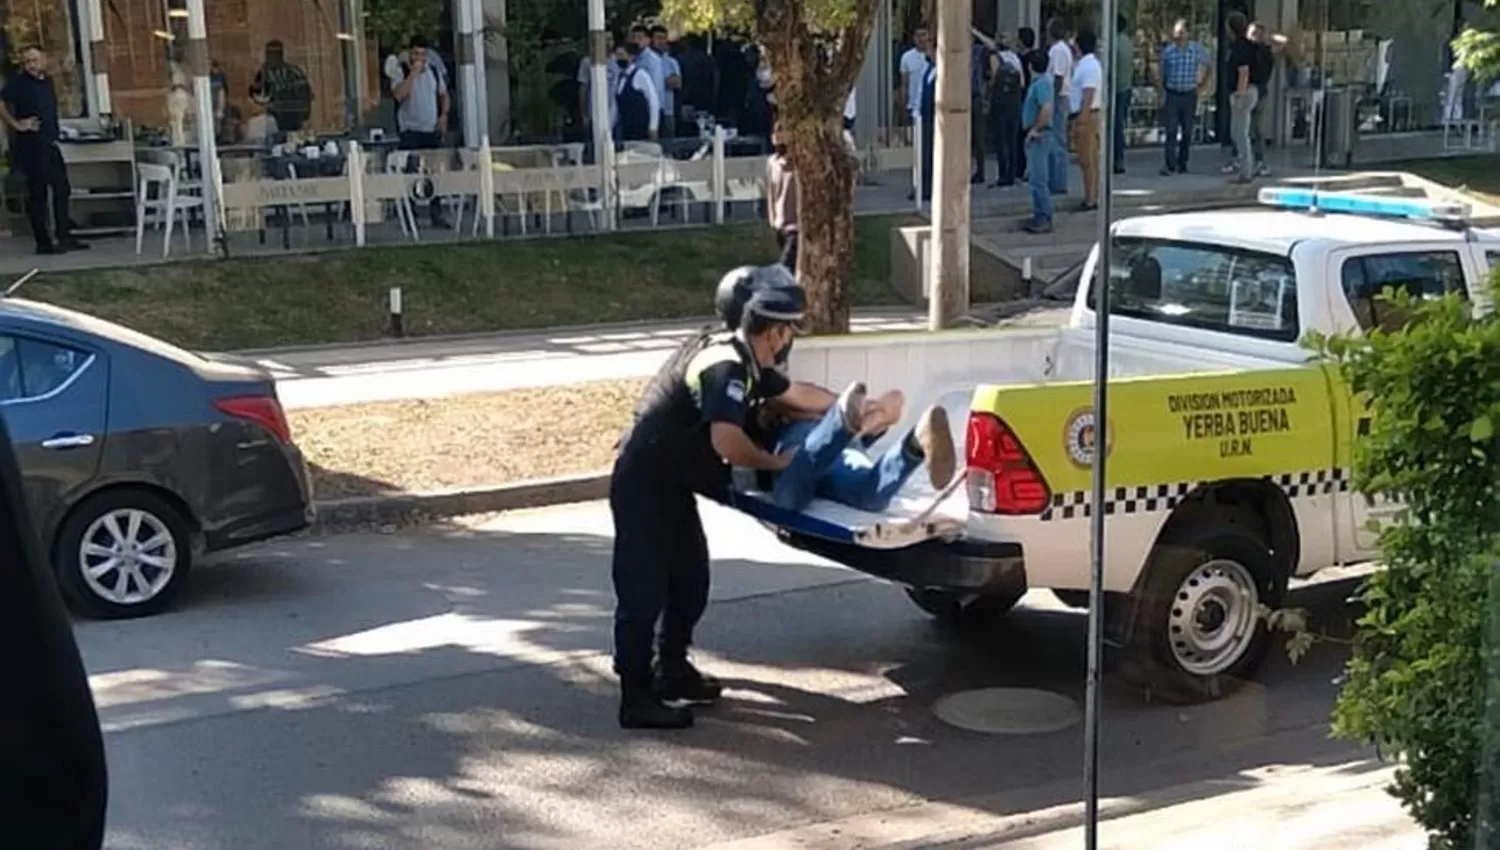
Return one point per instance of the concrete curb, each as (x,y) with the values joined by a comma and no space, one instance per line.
(402,508)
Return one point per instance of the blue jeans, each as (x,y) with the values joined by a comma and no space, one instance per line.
(1039,155)
(826,466)
(1121,118)
(1177,117)
(1058,181)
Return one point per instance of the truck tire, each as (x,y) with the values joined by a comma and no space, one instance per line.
(1198,634)
(959,609)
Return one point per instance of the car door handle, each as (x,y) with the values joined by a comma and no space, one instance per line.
(68,441)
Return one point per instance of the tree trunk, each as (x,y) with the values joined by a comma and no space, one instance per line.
(825,221)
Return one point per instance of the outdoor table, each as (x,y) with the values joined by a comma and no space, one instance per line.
(282,167)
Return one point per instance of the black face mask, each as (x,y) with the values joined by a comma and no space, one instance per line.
(779,149)
(623,63)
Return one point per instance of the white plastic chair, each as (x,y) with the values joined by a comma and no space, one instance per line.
(168,201)
(397,163)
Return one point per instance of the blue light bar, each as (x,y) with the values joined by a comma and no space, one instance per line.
(1285,197)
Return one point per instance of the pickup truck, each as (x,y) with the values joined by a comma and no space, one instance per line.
(1229,446)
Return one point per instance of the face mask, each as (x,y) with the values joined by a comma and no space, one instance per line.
(785,350)
(779,149)
(623,63)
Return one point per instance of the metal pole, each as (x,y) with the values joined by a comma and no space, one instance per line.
(1094,695)
(208,156)
(951,167)
(463,41)
(599,95)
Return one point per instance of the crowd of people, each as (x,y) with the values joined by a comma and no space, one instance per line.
(1036,106)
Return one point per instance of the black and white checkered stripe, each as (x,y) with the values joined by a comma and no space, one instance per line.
(1155,498)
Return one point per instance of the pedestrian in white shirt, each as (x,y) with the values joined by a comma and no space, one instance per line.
(1060,69)
(671,80)
(650,63)
(1084,103)
(913,67)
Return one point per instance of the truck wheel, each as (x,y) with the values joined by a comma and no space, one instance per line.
(1198,634)
(957,608)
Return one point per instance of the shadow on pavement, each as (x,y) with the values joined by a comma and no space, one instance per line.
(449,688)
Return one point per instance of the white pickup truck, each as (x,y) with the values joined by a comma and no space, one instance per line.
(1229,450)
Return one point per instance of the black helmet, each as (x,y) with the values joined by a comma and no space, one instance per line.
(736,288)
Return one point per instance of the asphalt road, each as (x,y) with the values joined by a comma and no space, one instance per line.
(447,689)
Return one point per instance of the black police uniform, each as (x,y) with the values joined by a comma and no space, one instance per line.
(36,154)
(660,567)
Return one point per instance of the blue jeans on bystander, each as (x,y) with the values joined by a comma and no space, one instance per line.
(1039,156)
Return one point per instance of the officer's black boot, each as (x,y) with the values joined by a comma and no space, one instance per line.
(641,708)
(680,681)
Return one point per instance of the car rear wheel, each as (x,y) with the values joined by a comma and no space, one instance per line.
(122,553)
(957,608)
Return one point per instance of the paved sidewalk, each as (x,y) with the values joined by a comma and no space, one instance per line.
(1339,807)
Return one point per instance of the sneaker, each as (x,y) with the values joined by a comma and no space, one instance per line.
(72,245)
(1037,227)
(1230,167)
(852,403)
(641,708)
(935,439)
(48,250)
(1262,170)
(1166,172)
(686,683)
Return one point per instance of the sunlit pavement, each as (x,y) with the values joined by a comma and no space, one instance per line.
(448,688)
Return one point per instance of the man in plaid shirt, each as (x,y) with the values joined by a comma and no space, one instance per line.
(1180,77)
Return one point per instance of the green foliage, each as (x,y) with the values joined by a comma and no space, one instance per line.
(1478,49)
(1415,686)
(392,23)
(823,16)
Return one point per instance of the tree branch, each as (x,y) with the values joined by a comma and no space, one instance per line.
(854,43)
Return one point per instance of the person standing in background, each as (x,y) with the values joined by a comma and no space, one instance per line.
(1027,37)
(913,68)
(585,90)
(1181,74)
(649,61)
(1006,91)
(28,106)
(1084,102)
(1037,114)
(781,200)
(979,65)
(671,81)
(636,105)
(1124,86)
(1243,96)
(422,116)
(286,86)
(1060,69)
(928,114)
(1266,47)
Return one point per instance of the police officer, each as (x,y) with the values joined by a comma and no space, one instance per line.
(689,430)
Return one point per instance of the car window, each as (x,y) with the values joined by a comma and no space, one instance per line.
(1421,274)
(1205,286)
(31,368)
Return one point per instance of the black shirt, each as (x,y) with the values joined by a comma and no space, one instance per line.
(1262,68)
(32,97)
(710,378)
(1242,54)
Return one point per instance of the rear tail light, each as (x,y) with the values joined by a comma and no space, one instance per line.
(264,411)
(1002,477)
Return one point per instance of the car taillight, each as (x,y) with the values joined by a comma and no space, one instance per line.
(1002,478)
(262,410)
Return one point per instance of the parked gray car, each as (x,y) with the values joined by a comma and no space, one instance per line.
(137,456)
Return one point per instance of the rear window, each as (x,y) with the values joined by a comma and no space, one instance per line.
(104,328)
(1204,286)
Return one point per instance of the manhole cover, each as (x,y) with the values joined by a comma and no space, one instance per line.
(1007,711)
